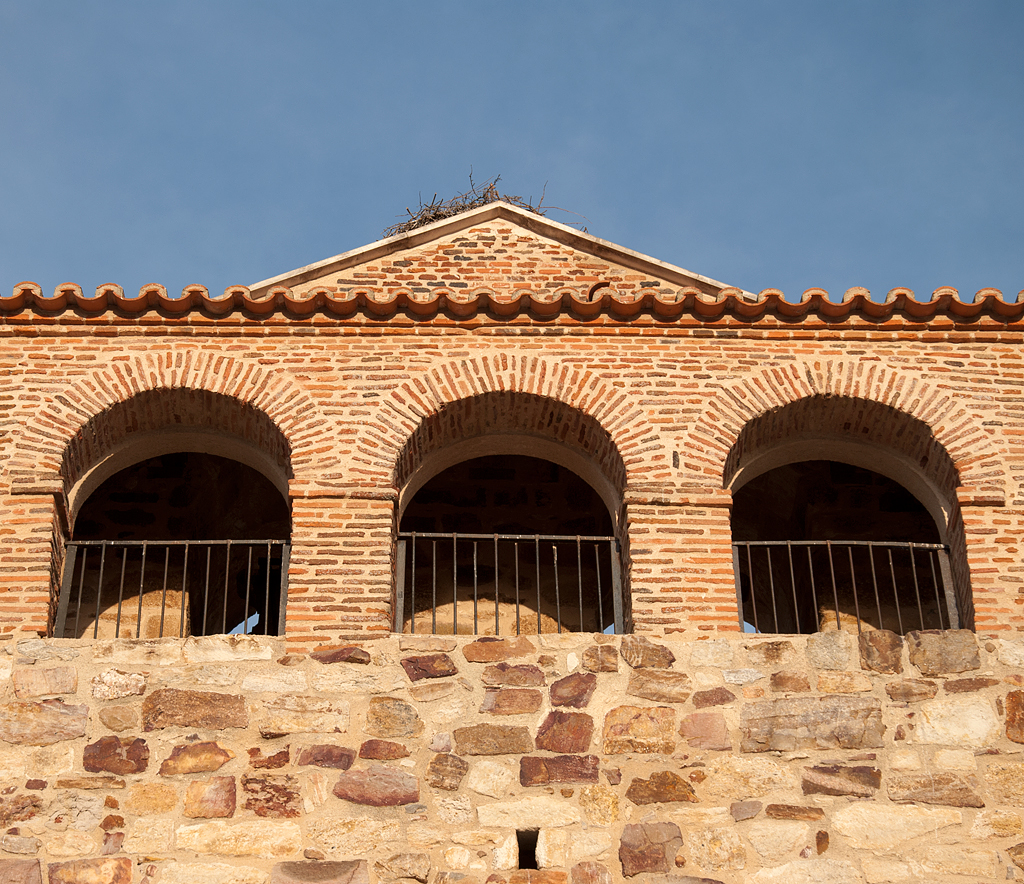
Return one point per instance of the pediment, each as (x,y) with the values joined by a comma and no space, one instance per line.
(498,247)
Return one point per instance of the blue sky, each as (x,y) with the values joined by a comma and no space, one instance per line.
(765,144)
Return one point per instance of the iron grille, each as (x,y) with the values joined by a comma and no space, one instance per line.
(791,586)
(504,584)
(159,588)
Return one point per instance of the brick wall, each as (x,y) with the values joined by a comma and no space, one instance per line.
(344,409)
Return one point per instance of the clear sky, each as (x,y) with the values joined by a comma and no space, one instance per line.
(765,144)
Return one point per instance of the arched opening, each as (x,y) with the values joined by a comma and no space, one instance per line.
(845,517)
(186,543)
(507,544)
(177,520)
(497,488)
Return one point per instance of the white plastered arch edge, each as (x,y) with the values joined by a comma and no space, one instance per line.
(886,462)
(141,446)
(523,444)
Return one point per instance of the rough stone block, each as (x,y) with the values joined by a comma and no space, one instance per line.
(446,771)
(812,723)
(642,653)
(334,757)
(961,720)
(660,686)
(881,651)
(34,681)
(662,787)
(390,717)
(838,779)
(565,732)
(942,651)
(714,697)
(875,826)
(117,756)
(210,798)
(601,658)
(520,675)
(649,847)
(42,723)
(251,838)
(829,650)
(706,730)
(107,870)
(490,778)
(790,683)
(492,650)
(378,786)
(20,871)
(351,872)
(492,739)
(170,707)
(911,690)
(574,690)
(429,666)
(302,714)
(511,701)
(272,795)
(530,812)
(113,684)
(642,729)
(951,789)
(382,750)
(535,770)
(346,654)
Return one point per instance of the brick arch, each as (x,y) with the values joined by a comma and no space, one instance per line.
(580,394)
(954,432)
(160,391)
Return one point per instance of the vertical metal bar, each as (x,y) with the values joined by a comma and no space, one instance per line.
(515,550)
(616,565)
(248,582)
(600,589)
(455,585)
(792,581)
(99,590)
(282,612)
(952,610)
(814,590)
(579,578)
(753,597)
(412,589)
(227,574)
(400,586)
(184,588)
(935,583)
(66,581)
(739,583)
(206,589)
(771,584)
(917,589)
(265,623)
(142,579)
(120,594)
(476,630)
(496,626)
(558,601)
(895,591)
(536,561)
(433,572)
(874,583)
(853,581)
(163,597)
(835,591)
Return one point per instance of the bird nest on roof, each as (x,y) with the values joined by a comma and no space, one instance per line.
(476,196)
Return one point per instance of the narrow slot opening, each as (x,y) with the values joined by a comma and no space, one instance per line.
(527,839)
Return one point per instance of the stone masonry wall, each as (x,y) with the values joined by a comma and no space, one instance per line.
(744,758)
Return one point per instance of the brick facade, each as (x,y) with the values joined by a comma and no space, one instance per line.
(345,380)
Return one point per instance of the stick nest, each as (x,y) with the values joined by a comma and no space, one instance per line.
(476,196)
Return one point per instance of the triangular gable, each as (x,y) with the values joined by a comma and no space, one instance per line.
(498,246)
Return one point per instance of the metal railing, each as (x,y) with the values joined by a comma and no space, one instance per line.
(801,586)
(505,584)
(158,588)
